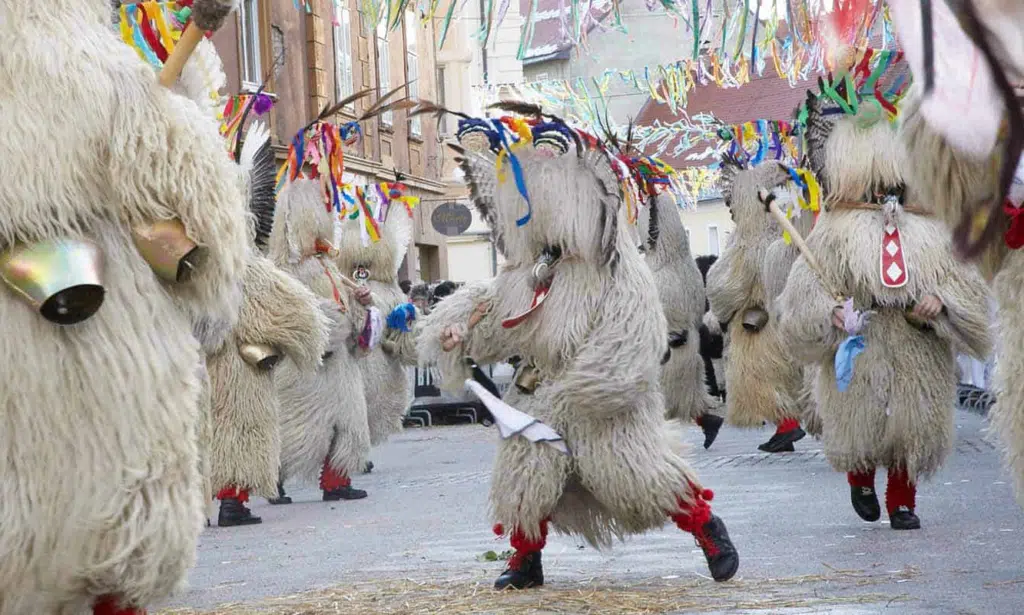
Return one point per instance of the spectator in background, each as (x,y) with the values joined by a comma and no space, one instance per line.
(406,286)
(441,291)
(419,296)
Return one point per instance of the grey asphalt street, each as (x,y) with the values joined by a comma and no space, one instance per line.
(802,548)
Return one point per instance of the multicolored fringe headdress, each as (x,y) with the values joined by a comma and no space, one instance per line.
(320,145)
(873,78)
(755,141)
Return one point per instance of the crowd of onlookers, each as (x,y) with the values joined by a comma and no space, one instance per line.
(426,295)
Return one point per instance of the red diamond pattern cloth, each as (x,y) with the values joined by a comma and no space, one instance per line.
(893,266)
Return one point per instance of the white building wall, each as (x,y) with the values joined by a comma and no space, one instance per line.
(470,259)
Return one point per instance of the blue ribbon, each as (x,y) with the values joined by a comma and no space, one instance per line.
(848,351)
(140,41)
(517,171)
(400,316)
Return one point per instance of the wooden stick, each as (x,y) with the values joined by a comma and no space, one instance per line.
(801,245)
(175,63)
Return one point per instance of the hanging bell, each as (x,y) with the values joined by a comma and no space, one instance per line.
(755,319)
(259,356)
(168,250)
(61,278)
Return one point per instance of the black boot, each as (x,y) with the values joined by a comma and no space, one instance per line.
(713,538)
(281,497)
(865,503)
(233,512)
(522,573)
(782,442)
(710,424)
(904,519)
(344,493)
(368,467)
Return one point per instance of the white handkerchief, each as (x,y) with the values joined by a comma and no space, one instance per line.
(512,422)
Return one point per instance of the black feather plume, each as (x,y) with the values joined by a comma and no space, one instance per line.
(520,107)
(262,198)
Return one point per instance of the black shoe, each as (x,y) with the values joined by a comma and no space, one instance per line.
(783,442)
(368,467)
(865,503)
(344,493)
(522,574)
(714,538)
(281,497)
(904,519)
(233,512)
(710,424)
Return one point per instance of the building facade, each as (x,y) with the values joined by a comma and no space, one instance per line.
(310,59)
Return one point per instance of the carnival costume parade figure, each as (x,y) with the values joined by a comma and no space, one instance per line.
(102,500)
(893,264)
(681,290)
(280,320)
(323,414)
(958,181)
(373,264)
(764,382)
(591,340)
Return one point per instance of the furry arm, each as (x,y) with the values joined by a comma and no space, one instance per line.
(966,318)
(480,343)
(283,313)
(805,316)
(166,160)
(730,285)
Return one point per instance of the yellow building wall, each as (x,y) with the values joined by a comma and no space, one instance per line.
(708,226)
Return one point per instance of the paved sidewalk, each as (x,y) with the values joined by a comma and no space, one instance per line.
(424,530)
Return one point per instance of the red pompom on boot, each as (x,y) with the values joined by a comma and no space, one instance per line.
(524,567)
(787,432)
(108,605)
(337,485)
(710,533)
(900,498)
(232,508)
(863,496)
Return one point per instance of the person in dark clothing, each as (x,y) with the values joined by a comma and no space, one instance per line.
(441,291)
(711,344)
(406,286)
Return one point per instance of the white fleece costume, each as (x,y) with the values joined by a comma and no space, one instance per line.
(102,500)
(594,345)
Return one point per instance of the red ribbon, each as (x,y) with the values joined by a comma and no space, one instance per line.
(1014,237)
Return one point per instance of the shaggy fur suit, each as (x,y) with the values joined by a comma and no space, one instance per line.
(898,409)
(323,414)
(680,286)
(764,383)
(951,181)
(102,500)
(596,343)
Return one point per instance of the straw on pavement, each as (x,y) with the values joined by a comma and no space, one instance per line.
(459,597)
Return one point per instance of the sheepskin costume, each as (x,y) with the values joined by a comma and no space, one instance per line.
(877,246)
(680,286)
(374,264)
(955,182)
(323,414)
(764,382)
(102,498)
(280,319)
(590,356)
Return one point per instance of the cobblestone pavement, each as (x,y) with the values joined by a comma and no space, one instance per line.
(789,515)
